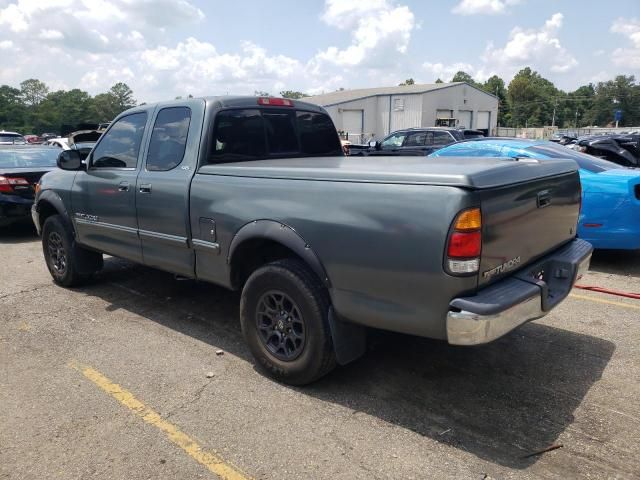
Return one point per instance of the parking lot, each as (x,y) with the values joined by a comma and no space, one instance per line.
(139,375)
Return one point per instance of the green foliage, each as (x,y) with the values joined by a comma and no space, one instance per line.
(294,95)
(33,109)
(464,77)
(439,80)
(408,81)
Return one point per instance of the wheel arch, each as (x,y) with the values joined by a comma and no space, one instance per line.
(50,203)
(261,241)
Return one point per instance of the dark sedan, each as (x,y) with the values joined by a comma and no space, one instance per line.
(20,170)
(415,141)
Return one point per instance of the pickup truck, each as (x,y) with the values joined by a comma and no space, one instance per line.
(254,194)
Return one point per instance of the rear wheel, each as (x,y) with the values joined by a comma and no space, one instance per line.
(69,264)
(284,315)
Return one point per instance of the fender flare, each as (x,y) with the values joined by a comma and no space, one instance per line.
(52,198)
(283,234)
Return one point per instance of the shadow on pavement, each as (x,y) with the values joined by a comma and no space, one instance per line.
(499,401)
(22,232)
(620,262)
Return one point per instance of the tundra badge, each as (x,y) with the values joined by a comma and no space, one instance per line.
(505,267)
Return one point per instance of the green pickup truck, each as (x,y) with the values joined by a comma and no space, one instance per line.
(255,194)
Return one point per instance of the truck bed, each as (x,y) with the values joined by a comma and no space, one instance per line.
(474,173)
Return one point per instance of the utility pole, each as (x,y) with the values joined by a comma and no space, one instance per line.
(553,118)
(576,118)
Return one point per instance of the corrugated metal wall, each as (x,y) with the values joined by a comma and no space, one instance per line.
(415,110)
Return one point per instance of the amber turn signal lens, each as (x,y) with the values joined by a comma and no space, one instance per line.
(469,220)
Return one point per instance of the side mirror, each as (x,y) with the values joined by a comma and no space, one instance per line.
(375,145)
(70,160)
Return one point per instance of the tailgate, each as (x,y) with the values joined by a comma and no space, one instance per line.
(522,222)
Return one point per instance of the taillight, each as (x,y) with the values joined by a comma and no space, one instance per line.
(580,197)
(465,243)
(7,183)
(276,102)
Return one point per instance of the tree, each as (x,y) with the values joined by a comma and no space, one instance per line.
(495,86)
(439,80)
(531,99)
(12,109)
(33,91)
(123,96)
(260,93)
(295,95)
(461,76)
(408,81)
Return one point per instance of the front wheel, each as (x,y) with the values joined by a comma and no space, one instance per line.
(284,313)
(69,264)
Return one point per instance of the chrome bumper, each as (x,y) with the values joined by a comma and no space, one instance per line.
(495,313)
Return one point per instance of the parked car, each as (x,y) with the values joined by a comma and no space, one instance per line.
(61,143)
(33,139)
(255,194)
(621,149)
(468,134)
(414,141)
(610,213)
(11,138)
(47,136)
(83,141)
(562,138)
(21,166)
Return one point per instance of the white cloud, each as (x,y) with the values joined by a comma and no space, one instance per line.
(627,57)
(539,49)
(50,35)
(483,7)
(380,32)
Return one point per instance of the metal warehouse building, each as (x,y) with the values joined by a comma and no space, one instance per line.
(375,112)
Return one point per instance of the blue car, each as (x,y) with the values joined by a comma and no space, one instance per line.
(610,216)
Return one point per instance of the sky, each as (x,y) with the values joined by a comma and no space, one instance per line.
(168,48)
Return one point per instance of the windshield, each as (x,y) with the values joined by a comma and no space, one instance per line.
(584,161)
(9,138)
(28,158)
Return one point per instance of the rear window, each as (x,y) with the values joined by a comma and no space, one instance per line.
(45,157)
(253,134)
(584,161)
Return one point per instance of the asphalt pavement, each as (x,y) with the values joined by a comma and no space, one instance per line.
(139,375)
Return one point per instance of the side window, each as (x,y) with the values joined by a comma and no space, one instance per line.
(238,135)
(442,138)
(415,139)
(119,146)
(168,139)
(394,141)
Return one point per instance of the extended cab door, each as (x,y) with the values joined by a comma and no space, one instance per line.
(162,191)
(103,196)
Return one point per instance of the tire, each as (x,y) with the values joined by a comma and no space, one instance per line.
(294,348)
(69,264)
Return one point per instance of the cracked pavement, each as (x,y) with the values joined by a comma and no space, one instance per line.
(411,408)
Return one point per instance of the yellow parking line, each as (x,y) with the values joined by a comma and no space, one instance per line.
(607,302)
(212,462)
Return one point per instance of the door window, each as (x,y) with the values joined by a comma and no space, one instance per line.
(394,141)
(415,139)
(119,147)
(168,139)
(442,138)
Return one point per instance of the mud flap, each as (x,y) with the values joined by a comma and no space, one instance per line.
(349,339)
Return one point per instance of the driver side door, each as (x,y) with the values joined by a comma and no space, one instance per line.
(104,196)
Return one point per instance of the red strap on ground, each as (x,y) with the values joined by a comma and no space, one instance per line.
(609,291)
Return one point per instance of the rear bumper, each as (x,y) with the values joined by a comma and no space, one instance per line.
(14,209)
(527,295)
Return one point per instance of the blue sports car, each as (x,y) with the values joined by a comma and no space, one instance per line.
(610,215)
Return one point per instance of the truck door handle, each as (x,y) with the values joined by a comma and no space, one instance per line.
(123,187)
(145,188)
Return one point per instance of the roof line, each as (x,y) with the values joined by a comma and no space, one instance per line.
(419,92)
